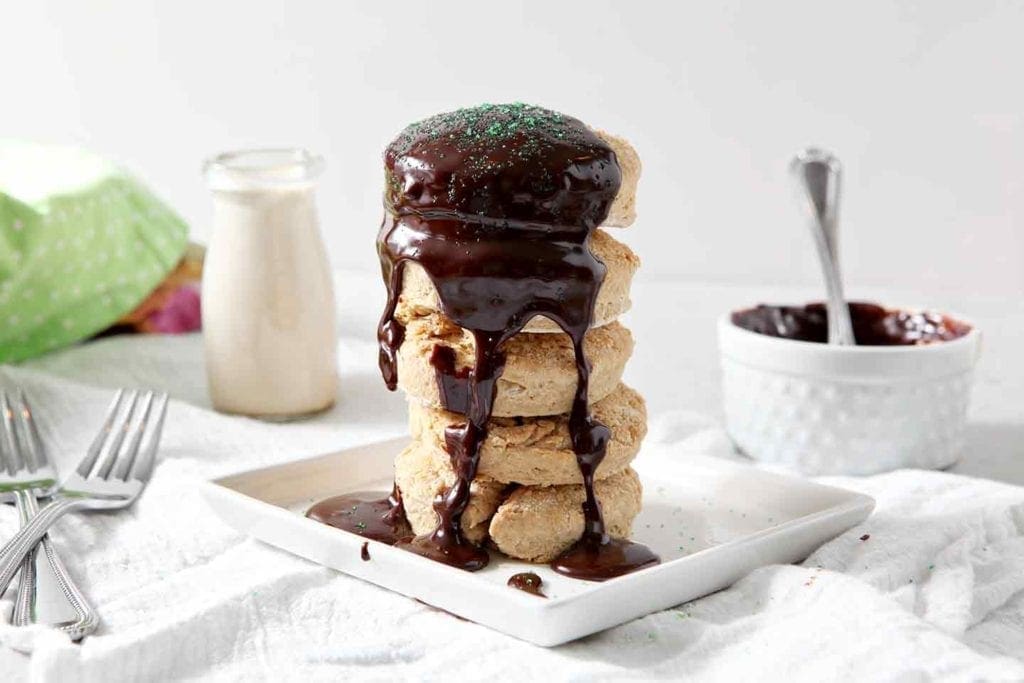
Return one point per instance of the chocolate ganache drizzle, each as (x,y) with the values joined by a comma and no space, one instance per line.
(366,514)
(497,203)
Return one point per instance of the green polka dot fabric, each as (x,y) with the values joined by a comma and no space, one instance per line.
(81,244)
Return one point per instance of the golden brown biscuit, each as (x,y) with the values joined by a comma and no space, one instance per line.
(623,210)
(538,523)
(537,450)
(421,478)
(419,297)
(540,369)
(534,523)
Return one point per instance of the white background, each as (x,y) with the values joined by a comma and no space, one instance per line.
(923,102)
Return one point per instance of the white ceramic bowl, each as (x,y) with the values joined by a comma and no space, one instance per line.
(824,409)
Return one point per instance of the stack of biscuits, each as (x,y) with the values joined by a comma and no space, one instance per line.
(526,500)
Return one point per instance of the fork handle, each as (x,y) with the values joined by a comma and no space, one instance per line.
(46,592)
(15,550)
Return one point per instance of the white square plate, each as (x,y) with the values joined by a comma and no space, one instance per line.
(712,521)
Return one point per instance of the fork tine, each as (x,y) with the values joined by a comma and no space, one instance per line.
(91,455)
(10,447)
(32,443)
(127,458)
(113,448)
(6,462)
(144,463)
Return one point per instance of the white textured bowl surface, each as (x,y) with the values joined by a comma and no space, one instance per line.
(824,409)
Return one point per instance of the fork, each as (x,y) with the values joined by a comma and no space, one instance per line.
(111,476)
(46,592)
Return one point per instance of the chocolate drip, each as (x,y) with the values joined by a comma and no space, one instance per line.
(596,556)
(368,514)
(364,552)
(873,325)
(497,205)
(602,561)
(390,333)
(452,383)
(528,582)
(447,543)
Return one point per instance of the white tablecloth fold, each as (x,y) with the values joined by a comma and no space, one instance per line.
(935,589)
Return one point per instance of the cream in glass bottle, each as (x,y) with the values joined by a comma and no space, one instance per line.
(268,301)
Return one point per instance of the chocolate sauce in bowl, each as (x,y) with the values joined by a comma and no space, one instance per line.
(497,204)
(873,325)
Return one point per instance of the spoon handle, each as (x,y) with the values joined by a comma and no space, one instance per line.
(818,175)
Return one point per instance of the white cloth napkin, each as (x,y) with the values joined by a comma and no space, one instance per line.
(930,586)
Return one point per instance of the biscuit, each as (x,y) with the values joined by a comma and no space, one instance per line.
(418,296)
(538,450)
(623,209)
(539,523)
(540,369)
(533,523)
(421,478)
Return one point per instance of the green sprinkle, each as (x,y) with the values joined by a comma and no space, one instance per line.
(474,131)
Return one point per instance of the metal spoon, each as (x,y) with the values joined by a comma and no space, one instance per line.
(817,174)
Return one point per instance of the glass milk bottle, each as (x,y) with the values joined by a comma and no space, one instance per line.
(268,302)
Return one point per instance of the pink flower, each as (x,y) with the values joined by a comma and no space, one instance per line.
(181,313)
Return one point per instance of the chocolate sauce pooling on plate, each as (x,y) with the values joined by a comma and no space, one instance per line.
(497,204)
(600,562)
(376,517)
(873,325)
(528,582)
